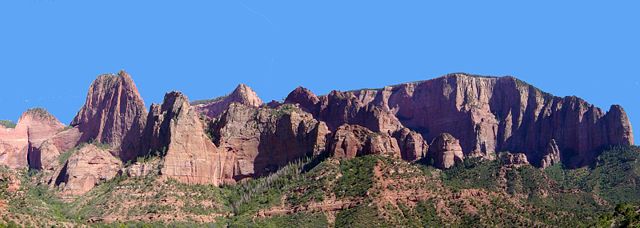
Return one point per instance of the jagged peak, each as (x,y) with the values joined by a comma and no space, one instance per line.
(104,84)
(175,97)
(244,94)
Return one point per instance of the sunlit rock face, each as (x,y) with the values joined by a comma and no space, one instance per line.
(114,114)
(19,145)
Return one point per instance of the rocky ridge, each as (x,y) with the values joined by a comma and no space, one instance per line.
(487,115)
(236,137)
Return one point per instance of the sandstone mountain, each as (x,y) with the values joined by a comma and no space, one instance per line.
(487,115)
(113,114)
(242,94)
(19,145)
(236,137)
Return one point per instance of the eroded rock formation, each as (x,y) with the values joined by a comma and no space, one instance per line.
(487,115)
(243,94)
(114,113)
(551,155)
(350,141)
(264,139)
(86,168)
(18,146)
(176,132)
(236,137)
(445,151)
(513,159)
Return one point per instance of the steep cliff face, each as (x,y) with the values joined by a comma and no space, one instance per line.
(176,133)
(264,139)
(243,94)
(339,108)
(487,115)
(18,146)
(114,113)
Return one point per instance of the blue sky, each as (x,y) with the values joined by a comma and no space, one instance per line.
(51,50)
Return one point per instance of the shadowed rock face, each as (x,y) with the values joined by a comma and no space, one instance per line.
(18,146)
(114,113)
(243,94)
(264,139)
(237,137)
(487,115)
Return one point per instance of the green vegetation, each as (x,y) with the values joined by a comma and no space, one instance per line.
(8,123)
(624,215)
(207,101)
(368,191)
(473,173)
(357,176)
(318,220)
(40,112)
(361,216)
(282,110)
(615,176)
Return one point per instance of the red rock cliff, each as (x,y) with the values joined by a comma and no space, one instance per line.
(487,115)
(114,114)
(18,146)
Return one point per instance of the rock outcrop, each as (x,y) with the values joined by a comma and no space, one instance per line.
(487,114)
(85,169)
(46,156)
(19,145)
(175,132)
(114,113)
(243,94)
(445,151)
(412,145)
(513,159)
(551,156)
(265,139)
(350,141)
